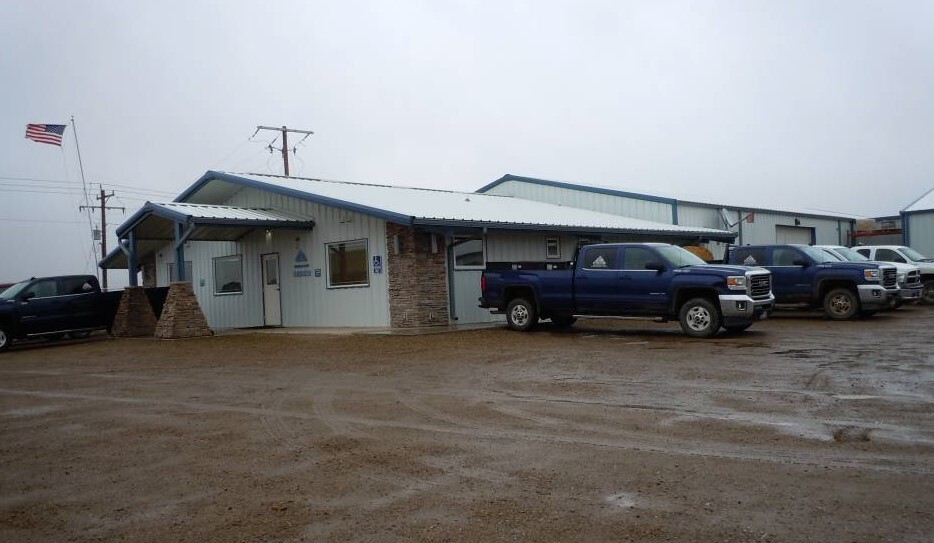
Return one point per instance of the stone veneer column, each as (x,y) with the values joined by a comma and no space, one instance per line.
(181,314)
(418,285)
(135,317)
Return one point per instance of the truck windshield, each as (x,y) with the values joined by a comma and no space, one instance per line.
(849,254)
(679,257)
(915,256)
(833,255)
(11,292)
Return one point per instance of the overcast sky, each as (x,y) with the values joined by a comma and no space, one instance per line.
(802,104)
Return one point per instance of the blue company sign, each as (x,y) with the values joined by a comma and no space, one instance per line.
(301,267)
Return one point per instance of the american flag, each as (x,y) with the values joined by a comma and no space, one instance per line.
(46,133)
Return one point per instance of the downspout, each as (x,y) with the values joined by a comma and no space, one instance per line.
(449,251)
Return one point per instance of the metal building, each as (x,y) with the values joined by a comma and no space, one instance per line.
(751,224)
(918,224)
(268,250)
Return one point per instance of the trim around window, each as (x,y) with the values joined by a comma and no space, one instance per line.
(228,275)
(348,263)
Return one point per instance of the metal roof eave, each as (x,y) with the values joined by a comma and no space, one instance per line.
(212,175)
(716,235)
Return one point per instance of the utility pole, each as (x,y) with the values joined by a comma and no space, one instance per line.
(103,207)
(285,142)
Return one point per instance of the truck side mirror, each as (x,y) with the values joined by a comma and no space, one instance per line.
(657,266)
(801,262)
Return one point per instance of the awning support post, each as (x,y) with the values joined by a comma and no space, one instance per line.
(181,235)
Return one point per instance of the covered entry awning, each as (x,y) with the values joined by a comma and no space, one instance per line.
(156,224)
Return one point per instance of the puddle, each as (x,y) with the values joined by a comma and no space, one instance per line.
(623,500)
(30,411)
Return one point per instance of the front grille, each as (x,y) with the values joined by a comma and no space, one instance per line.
(913,279)
(889,278)
(760,285)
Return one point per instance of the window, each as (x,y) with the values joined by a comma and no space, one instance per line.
(864,252)
(635,258)
(888,255)
(468,254)
(228,275)
(78,285)
(784,256)
(552,248)
(44,289)
(600,258)
(347,264)
(173,277)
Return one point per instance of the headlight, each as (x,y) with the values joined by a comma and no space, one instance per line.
(736,282)
(871,275)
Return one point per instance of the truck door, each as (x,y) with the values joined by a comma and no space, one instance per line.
(41,307)
(84,306)
(791,281)
(596,280)
(643,290)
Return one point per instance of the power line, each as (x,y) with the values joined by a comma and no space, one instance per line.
(39,220)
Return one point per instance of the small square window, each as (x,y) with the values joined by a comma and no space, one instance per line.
(552,248)
(468,254)
(228,275)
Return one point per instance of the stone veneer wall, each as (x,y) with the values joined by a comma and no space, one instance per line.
(418,285)
(181,314)
(135,317)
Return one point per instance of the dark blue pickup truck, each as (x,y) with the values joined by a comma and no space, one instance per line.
(50,307)
(808,276)
(653,280)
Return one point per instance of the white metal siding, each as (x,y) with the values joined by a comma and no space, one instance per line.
(605,203)
(921,232)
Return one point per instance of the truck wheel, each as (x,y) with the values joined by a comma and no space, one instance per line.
(563,321)
(520,315)
(699,318)
(841,304)
(927,293)
(5,339)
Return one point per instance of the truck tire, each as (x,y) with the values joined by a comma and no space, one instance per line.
(564,321)
(699,318)
(5,339)
(521,315)
(927,292)
(841,304)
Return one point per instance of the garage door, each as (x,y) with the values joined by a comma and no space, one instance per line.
(794,234)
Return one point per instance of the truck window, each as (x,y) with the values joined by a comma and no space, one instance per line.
(784,256)
(864,252)
(600,258)
(888,255)
(750,256)
(76,285)
(635,258)
(44,288)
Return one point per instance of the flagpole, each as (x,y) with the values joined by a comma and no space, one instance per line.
(84,185)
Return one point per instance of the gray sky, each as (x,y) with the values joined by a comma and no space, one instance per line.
(803,104)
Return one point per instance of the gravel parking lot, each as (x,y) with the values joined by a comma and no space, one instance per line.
(799,430)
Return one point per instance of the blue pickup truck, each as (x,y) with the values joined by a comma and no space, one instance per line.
(807,276)
(652,280)
(50,307)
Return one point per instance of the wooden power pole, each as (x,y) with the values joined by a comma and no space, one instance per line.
(285,142)
(103,207)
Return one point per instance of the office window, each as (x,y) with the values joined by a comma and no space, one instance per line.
(552,248)
(347,264)
(468,254)
(228,275)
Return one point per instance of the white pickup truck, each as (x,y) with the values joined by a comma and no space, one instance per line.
(904,255)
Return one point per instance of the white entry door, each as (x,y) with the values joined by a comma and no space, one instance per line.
(272,301)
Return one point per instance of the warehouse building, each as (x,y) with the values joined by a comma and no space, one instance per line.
(750,223)
(260,250)
(918,224)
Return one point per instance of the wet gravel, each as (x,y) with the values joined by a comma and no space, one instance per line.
(800,429)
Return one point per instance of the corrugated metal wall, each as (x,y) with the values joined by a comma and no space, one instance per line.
(921,232)
(605,203)
(306,300)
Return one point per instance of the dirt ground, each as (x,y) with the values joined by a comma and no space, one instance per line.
(798,430)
